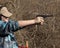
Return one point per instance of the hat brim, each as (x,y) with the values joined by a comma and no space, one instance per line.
(8,14)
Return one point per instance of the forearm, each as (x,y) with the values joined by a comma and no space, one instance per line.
(26,22)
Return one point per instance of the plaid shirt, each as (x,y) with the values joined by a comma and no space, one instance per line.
(9,41)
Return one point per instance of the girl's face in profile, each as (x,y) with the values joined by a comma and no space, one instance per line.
(4,18)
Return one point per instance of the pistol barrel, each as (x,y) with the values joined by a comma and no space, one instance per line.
(44,15)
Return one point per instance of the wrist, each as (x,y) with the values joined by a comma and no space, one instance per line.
(35,21)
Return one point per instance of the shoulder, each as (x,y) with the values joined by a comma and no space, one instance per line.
(13,22)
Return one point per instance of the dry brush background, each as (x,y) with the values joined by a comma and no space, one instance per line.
(40,36)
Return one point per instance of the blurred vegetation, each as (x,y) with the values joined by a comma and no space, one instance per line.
(39,36)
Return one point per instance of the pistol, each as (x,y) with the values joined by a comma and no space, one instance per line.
(44,15)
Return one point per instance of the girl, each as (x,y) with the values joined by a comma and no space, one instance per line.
(8,27)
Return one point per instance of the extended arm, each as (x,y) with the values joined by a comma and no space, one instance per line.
(30,22)
(26,22)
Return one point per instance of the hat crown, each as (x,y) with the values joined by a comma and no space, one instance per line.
(4,11)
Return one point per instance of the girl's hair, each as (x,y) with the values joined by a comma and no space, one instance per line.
(0,16)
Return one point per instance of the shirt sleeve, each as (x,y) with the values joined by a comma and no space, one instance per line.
(15,26)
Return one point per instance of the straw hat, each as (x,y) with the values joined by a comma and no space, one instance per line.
(4,11)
